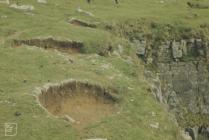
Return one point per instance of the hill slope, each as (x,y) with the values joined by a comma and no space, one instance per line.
(107,58)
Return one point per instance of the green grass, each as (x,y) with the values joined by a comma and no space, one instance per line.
(16,95)
(128,20)
(51,19)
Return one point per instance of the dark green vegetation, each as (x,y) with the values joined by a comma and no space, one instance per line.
(25,68)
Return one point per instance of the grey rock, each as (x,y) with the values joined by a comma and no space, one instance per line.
(198,43)
(184,47)
(195,130)
(185,135)
(22,7)
(4,2)
(141,47)
(155,125)
(42,1)
(176,50)
(69,119)
(17,113)
(79,10)
(183,82)
(173,100)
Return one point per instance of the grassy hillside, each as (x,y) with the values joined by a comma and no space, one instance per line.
(21,75)
(25,68)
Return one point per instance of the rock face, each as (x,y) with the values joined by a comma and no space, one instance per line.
(183,71)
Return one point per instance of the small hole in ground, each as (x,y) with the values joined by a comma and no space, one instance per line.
(77,102)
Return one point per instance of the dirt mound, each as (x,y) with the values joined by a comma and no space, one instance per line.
(51,43)
(79,103)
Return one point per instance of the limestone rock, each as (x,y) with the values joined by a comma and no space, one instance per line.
(164,52)
(141,46)
(4,2)
(184,47)
(173,100)
(183,69)
(176,50)
(155,85)
(155,125)
(185,135)
(198,43)
(79,10)
(70,119)
(42,1)
(22,7)
(195,130)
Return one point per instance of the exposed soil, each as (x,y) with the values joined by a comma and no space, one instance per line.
(51,43)
(77,102)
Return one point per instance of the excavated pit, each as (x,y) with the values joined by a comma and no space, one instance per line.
(51,43)
(79,103)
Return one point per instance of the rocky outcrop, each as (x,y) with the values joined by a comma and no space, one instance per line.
(155,85)
(197,133)
(183,70)
(178,72)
